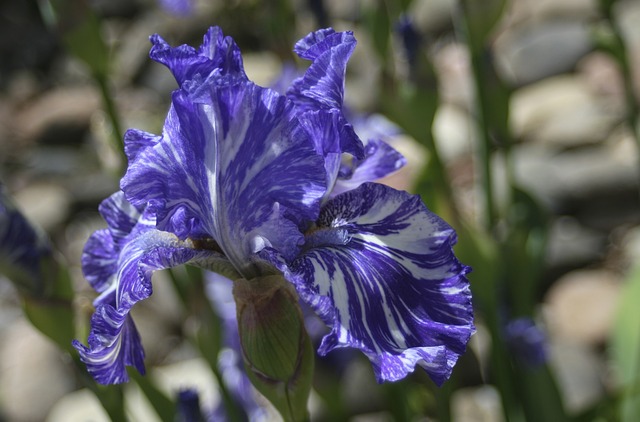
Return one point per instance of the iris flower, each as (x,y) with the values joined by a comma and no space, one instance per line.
(249,183)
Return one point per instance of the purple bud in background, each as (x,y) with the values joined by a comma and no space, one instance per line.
(527,341)
(181,8)
(188,406)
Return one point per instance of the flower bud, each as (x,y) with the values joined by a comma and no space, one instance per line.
(276,348)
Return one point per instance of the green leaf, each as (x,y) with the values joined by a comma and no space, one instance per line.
(80,30)
(524,251)
(481,17)
(377,22)
(625,347)
(277,351)
(52,312)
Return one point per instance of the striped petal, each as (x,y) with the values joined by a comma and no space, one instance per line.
(120,269)
(322,85)
(380,271)
(379,161)
(217,54)
(234,164)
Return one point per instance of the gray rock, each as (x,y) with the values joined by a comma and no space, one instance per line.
(561,111)
(535,50)
(59,116)
(476,404)
(578,371)
(581,305)
(597,184)
(32,374)
(571,245)
(44,204)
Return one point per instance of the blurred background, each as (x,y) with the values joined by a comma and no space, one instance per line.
(519,119)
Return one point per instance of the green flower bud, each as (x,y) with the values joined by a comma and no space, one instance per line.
(276,348)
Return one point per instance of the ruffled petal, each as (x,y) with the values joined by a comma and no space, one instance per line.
(380,160)
(217,53)
(322,86)
(118,262)
(380,271)
(235,165)
(113,340)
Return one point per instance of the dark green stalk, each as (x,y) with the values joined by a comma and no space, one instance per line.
(116,135)
(477,51)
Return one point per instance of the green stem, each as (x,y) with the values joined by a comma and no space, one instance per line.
(481,77)
(117,135)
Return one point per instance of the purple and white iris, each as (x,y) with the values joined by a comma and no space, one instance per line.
(248,182)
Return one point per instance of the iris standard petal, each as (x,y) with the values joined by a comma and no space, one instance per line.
(235,165)
(380,271)
(216,54)
(322,85)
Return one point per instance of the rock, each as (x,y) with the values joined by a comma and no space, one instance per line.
(262,68)
(631,246)
(81,405)
(602,76)
(44,204)
(580,306)
(578,372)
(433,15)
(597,184)
(561,111)
(547,9)
(32,374)
(190,373)
(454,132)
(476,404)
(572,245)
(453,67)
(60,116)
(532,51)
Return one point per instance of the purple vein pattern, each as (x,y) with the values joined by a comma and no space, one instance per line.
(247,182)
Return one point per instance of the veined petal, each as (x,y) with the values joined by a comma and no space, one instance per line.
(119,266)
(216,54)
(235,165)
(379,161)
(322,85)
(380,271)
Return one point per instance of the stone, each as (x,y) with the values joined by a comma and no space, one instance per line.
(580,306)
(532,51)
(476,404)
(597,184)
(453,67)
(33,375)
(454,132)
(81,405)
(578,372)
(59,116)
(560,111)
(45,204)
(572,245)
